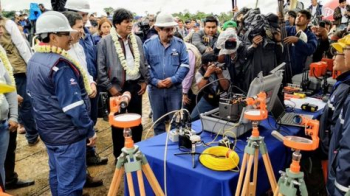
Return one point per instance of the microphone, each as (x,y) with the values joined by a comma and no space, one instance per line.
(125,99)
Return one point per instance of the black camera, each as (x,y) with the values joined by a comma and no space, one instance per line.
(144,29)
(230,44)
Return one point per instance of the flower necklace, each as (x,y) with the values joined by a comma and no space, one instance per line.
(121,55)
(8,67)
(53,49)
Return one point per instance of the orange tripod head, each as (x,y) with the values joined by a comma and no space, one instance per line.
(311,129)
(258,102)
(117,103)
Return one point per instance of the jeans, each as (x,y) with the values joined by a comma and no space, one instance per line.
(164,101)
(67,168)
(201,107)
(25,111)
(4,142)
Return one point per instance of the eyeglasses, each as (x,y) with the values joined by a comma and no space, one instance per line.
(171,29)
(338,54)
(63,34)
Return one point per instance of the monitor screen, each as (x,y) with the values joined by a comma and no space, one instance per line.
(270,84)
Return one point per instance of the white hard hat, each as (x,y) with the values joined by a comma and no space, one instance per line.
(302,35)
(165,20)
(52,22)
(78,5)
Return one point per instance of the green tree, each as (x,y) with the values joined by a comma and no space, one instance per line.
(8,14)
(109,9)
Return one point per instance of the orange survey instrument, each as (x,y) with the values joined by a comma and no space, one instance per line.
(131,158)
(255,144)
(293,177)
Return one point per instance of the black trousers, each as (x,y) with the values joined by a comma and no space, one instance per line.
(11,175)
(135,106)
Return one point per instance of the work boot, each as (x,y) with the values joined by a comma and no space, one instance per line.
(19,184)
(92,182)
(95,159)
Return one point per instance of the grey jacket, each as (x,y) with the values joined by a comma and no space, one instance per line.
(9,105)
(110,70)
(198,41)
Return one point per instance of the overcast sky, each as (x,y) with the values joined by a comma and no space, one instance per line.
(152,6)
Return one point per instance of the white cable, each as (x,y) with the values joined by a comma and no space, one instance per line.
(166,153)
(159,120)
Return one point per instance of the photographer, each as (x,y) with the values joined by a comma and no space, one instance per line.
(208,73)
(341,15)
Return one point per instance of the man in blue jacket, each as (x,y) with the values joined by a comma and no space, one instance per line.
(300,49)
(338,182)
(60,100)
(82,7)
(168,60)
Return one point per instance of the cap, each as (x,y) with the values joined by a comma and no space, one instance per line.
(229,24)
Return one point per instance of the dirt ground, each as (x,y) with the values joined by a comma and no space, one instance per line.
(32,162)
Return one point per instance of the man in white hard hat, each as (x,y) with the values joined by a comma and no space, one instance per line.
(82,7)
(59,89)
(169,64)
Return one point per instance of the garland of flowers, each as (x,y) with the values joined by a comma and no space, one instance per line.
(121,56)
(7,65)
(9,69)
(2,97)
(53,49)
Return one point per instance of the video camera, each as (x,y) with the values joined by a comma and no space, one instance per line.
(231,44)
(144,29)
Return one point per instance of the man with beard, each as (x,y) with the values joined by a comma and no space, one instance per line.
(169,64)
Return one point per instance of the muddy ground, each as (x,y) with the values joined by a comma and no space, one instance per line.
(32,162)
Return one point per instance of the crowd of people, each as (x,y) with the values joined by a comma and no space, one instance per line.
(180,63)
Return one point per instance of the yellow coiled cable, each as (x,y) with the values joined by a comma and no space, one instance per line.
(219,158)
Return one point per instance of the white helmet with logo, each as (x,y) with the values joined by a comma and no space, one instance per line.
(165,20)
(78,5)
(52,22)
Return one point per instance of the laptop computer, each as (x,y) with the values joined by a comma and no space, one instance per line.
(285,118)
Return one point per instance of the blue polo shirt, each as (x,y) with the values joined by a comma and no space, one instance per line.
(171,61)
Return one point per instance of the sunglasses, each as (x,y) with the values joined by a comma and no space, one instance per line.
(171,29)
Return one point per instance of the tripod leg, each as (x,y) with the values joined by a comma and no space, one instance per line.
(275,193)
(252,188)
(118,173)
(240,179)
(141,184)
(247,175)
(130,184)
(269,171)
(152,180)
